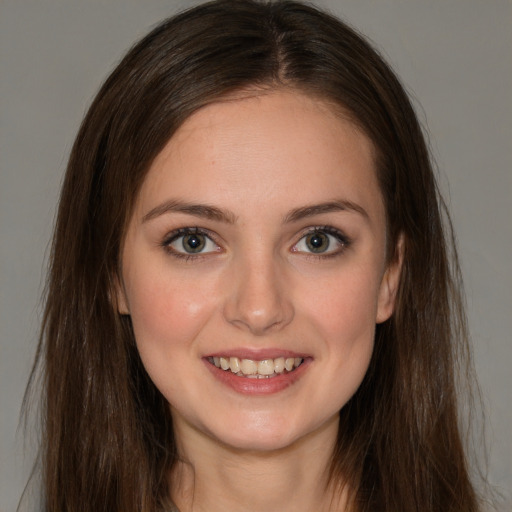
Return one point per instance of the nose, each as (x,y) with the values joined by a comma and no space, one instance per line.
(258,299)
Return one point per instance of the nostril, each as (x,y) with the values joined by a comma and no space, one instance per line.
(258,320)
(258,300)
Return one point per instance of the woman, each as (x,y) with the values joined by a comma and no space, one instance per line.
(250,303)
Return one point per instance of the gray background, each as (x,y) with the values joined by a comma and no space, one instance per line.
(454,56)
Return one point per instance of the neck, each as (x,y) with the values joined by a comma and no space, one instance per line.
(214,477)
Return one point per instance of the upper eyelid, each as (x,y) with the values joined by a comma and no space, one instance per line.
(177,233)
(343,240)
(330,230)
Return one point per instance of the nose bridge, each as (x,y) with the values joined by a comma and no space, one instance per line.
(258,299)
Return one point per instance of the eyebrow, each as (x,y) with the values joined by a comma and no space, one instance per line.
(198,210)
(338,205)
(214,213)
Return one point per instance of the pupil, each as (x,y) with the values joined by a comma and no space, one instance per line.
(193,243)
(317,242)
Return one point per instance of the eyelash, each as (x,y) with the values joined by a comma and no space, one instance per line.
(341,238)
(178,233)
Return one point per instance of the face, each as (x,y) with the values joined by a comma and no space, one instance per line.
(254,269)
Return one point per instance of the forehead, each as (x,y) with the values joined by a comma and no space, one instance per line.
(261,149)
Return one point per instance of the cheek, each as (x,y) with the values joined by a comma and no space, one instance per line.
(167,313)
(344,315)
(344,310)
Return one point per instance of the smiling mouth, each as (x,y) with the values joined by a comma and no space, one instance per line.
(252,369)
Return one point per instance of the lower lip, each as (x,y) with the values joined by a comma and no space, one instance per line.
(247,386)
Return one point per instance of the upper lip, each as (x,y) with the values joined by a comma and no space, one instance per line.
(257,354)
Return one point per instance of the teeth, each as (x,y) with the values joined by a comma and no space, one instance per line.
(249,367)
(257,369)
(288,363)
(266,367)
(234,364)
(279,365)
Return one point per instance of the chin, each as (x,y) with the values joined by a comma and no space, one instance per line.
(263,434)
(259,442)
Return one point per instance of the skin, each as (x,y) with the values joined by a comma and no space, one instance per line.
(258,286)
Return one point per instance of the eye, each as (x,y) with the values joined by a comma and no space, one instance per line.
(321,241)
(188,242)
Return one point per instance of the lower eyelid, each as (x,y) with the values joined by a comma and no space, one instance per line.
(209,247)
(341,239)
(175,235)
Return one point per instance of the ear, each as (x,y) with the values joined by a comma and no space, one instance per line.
(120,297)
(389,284)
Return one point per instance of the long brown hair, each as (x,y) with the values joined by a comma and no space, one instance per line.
(108,442)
